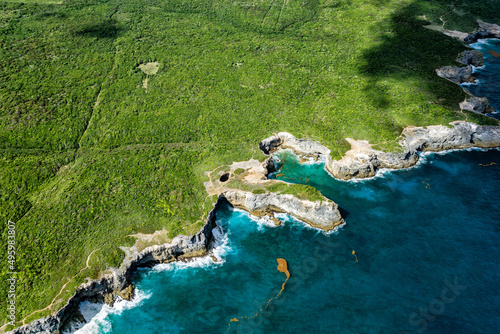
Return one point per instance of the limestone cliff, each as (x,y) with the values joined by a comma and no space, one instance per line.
(363,161)
(487,30)
(117,283)
(471,57)
(324,215)
(458,135)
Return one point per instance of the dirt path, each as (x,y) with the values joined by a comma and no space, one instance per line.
(48,307)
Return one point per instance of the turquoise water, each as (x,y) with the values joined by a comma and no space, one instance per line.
(488,75)
(426,240)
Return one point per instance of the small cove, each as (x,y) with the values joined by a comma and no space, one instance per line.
(426,245)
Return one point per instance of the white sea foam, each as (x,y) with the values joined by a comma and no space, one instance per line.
(99,322)
(96,314)
(482,41)
(424,158)
(220,248)
(263,222)
(286,218)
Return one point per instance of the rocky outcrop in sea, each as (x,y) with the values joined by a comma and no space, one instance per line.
(456,75)
(320,214)
(470,58)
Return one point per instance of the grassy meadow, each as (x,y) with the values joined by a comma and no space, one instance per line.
(93,149)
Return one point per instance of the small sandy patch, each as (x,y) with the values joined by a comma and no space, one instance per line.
(452,33)
(146,240)
(150,68)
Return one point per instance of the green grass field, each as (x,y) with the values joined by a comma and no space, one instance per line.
(93,149)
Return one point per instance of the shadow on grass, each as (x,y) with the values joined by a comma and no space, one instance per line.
(104,29)
(410,51)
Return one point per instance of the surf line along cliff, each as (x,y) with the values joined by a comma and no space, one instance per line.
(470,58)
(117,283)
(362,161)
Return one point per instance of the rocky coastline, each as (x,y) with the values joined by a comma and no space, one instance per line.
(486,30)
(250,191)
(118,283)
(363,161)
(323,215)
(470,58)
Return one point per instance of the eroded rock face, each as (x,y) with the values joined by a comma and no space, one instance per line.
(458,135)
(488,30)
(117,283)
(472,38)
(493,29)
(324,215)
(471,57)
(365,164)
(457,75)
(40,326)
(478,105)
(362,161)
(486,136)
(269,144)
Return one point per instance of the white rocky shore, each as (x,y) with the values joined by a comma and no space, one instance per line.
(324,215)
(117,282)
(470,58)
(363,161)
(360,162)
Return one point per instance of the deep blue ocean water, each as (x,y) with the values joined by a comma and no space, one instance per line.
(426,241)
(426,258)
(488,76)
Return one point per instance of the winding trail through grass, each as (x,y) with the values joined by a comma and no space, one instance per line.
(62,288)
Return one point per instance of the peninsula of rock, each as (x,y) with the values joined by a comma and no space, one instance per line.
(362,161)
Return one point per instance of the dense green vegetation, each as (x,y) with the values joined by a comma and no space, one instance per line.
(89,154)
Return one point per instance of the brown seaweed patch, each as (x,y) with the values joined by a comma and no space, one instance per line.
(282,267)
